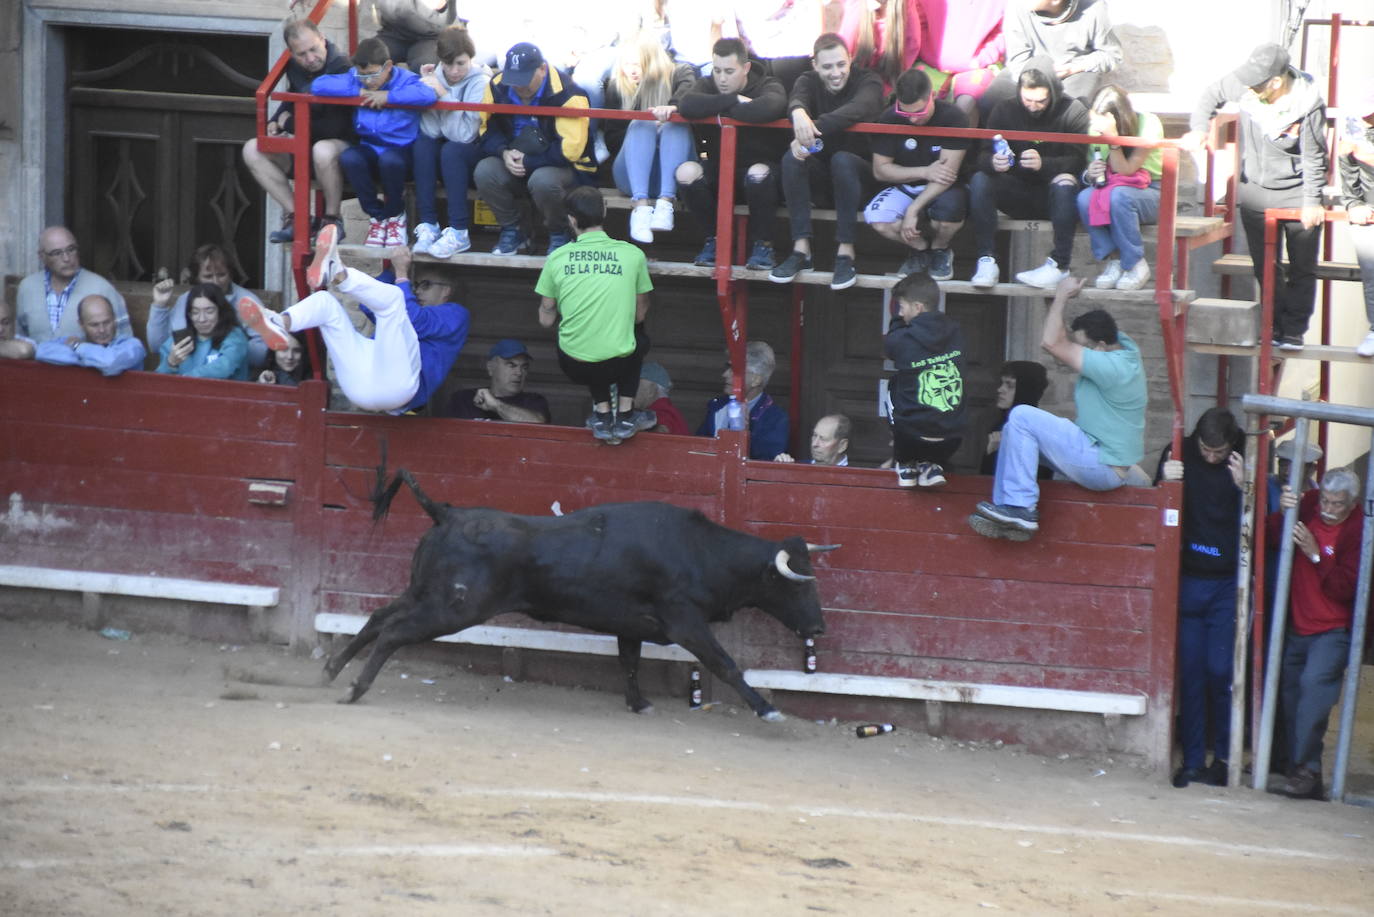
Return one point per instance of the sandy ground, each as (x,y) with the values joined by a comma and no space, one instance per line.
(151,777)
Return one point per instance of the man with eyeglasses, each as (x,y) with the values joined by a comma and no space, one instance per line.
(924,204)
(1321,603)
(48,298)
(417,331)
(1283,158)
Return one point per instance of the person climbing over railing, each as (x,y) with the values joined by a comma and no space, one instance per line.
(1356,163)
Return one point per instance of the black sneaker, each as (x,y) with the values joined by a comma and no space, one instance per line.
(707,256)
(941,264)
(1024,518)
(989,529)
(1186,775)
(918,262)
(791,266)
(602,426)
(907,474)
(845,275)
(1215,775)
(1289,342)
(930,475)
(761,257)
(287,233)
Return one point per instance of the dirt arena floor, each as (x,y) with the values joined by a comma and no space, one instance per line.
(167,776)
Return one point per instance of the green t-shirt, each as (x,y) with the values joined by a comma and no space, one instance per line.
(595,281)
(1148,127)
(1111,397)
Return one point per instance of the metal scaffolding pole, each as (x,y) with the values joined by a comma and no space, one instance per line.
(1357,631)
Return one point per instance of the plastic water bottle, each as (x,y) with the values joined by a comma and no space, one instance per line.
(809,656)
(734,415)
(872,729)
(817,146)
(1000,147)
(1101,180)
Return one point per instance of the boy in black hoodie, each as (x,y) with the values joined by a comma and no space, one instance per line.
(741,89)
(1036,180)
(926,396)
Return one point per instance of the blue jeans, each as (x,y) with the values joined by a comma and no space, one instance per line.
(1313,666)
(1031,437)
(1206,637)
(646,165)
(360,161)
(1131,207)
(455,162)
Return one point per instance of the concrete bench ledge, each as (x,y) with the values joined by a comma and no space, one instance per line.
(527,638)
(153,587)
(1316,352)
(1240,265)
(955,692)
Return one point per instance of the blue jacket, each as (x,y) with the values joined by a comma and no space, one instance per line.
(768,426)
(381,128)
(228,361)
(441,330)
(111,359)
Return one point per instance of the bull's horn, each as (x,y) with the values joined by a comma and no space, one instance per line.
(821,548)
(780,561)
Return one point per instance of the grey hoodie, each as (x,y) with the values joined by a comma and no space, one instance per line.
(1082,33)
(460,126)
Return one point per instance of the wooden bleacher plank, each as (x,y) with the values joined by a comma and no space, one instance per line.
(1184,226)
(1240,265)
(1315,352)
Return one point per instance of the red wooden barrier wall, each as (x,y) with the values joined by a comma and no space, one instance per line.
(149,474)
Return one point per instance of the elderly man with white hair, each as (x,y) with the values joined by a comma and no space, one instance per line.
(1326,570)
(768,423)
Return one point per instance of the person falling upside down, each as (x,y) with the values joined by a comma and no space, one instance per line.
(417,331)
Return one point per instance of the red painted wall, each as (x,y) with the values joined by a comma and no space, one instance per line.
(150,474)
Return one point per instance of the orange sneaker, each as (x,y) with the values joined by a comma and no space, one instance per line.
(266,323)
(326,262)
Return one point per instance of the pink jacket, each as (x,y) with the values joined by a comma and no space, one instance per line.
(960,35)
(911,42)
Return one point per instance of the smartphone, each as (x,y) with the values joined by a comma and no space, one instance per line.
(180,335)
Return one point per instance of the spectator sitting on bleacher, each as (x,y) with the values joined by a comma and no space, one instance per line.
(97,346)
(1034,180)
(654,387)
(416,336)
(924,204)
(1076,35)
(1356,164)
(1122,189)
(882,35)
(961,47)
(1020,382)
(411,28)
(782,32)
(12,346)
(47,299)
(331,130)
(1097,449)
(741,89)
(596,290)
(539,155)
(447,146)
(767,421)
(508,365)
(648,153)
(829,442)
(213,346)
(925,397)
(825,101)
(208,264)
(286,367)
(386,135)
(1283,154)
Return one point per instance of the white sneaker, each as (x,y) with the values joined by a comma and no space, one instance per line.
(987,273)
(641,224)
(1046,276)
(425,234)
(663,216)
(1136,277)
(395,229)
(1109,276)
(1366,347)
(450,242)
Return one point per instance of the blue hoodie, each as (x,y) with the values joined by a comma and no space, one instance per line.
(441,331)
(381,128)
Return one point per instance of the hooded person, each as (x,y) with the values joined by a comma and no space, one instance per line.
(1283,162)
(1020,382)
(1032,180)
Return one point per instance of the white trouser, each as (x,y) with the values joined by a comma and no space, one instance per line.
(381,373)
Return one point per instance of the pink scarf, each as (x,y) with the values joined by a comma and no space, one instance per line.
(1100,202)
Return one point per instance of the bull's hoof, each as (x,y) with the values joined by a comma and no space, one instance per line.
(327,676)
(352,695)
(771,716)
(644,710)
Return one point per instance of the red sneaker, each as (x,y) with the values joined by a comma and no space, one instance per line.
(326,262)
(266,323)
(376,233)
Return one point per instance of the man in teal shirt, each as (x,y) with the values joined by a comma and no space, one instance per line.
(599,287)
(1098,449)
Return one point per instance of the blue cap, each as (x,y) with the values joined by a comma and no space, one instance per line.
(521,62)
(507,348)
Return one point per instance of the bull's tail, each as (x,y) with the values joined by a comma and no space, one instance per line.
(383,493)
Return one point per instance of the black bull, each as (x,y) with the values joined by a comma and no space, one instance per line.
(640,571)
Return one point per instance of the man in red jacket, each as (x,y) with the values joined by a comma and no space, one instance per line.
(1326,566)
